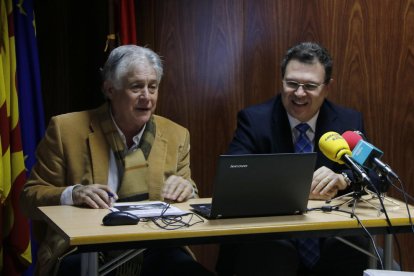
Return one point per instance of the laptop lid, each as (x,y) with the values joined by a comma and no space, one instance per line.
(262,184)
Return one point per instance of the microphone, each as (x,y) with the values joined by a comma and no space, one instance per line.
(368,155)
(335,147)
(352,138)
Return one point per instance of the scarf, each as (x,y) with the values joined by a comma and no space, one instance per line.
(132,166)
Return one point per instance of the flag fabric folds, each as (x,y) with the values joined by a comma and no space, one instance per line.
(15,250)
(127,26)
(32,121)
(122,28)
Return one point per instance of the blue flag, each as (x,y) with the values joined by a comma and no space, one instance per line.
(28,79)
(32,120)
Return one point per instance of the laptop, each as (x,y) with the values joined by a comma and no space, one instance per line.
(260,185)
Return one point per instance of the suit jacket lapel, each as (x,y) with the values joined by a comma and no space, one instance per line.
(99,149)
(326,120)
(156,163)
(325,123)
(282,134)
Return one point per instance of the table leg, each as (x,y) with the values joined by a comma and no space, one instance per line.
(372,262)
(89,264)
(388,252)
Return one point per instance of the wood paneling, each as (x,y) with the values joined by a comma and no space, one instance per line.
(202,48)
(223,55)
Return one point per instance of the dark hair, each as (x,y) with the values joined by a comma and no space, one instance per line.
(307,52)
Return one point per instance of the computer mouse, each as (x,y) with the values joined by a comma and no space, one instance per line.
(120,218)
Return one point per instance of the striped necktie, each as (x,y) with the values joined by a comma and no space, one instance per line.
(308,248)
(303,144)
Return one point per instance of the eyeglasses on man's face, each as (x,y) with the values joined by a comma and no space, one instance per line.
(294,85)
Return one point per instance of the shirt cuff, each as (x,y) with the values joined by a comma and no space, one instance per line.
(66,197)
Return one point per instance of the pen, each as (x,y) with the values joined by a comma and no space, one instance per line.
(111,197)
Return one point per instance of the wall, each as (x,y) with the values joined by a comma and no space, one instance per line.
(223,55)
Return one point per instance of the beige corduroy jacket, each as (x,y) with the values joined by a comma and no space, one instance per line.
(74,151)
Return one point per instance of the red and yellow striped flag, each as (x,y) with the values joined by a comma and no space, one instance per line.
(15,253)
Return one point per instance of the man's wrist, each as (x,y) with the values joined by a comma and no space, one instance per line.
(67,196)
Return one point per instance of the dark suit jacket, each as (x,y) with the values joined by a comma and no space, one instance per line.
(264,128)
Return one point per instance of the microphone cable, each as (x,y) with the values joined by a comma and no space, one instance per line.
(405,194)
(327,209)
(389,228)
(387,219)
(174,222)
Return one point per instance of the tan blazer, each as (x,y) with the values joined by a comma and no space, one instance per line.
(73,151)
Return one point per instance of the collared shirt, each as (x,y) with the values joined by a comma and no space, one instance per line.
(310,132)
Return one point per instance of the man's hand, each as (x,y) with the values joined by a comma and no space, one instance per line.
(177,189)
(95,196)
(326,184)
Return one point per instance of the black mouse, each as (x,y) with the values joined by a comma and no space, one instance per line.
(120,218)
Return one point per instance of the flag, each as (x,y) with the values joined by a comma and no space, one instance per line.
(127,27)
(32,119)
(122,28)
(111,39)
(15,251)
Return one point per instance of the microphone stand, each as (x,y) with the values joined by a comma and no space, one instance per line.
(359,189)
(385,183)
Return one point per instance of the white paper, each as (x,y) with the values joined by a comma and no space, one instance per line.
(148,209)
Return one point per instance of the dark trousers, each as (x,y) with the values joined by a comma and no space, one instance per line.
(172,261)
(280,257)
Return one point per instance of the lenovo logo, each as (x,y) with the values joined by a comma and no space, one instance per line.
(238,166)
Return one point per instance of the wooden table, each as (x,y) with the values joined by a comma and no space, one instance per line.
(83,228)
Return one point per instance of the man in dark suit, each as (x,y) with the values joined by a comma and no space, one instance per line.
(272,127)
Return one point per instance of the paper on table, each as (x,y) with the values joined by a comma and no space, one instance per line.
(148,209)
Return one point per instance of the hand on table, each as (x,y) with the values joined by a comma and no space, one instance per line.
(94,195)
(177,189)
(326,184)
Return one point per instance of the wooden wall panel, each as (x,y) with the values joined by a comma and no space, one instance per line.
(223,55)
(201,43)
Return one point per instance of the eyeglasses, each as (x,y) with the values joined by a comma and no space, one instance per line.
(294,85)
